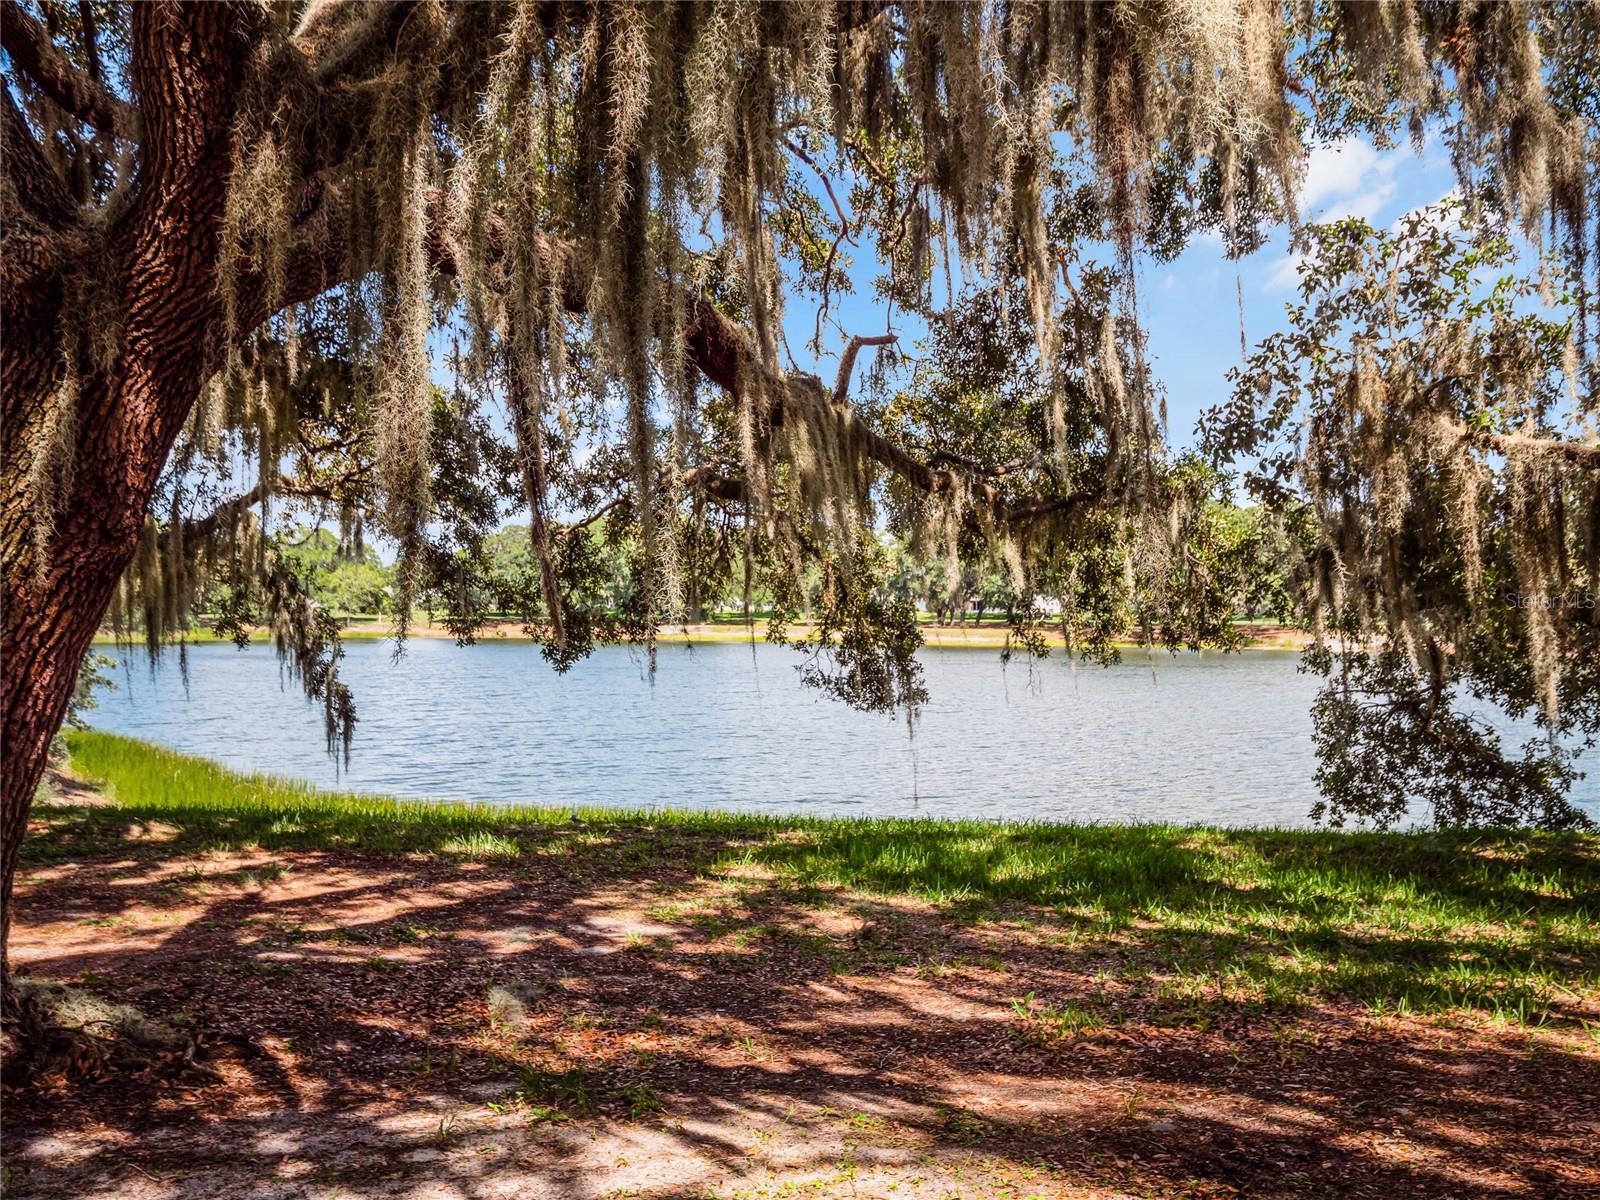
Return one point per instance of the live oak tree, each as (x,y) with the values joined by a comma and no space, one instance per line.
(1433,429)
(419,261)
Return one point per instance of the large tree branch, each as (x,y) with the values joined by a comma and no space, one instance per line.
(39,225)
(39,232)
(1583,454)
(847,361)
(187,62)
(38,189)
(229,511)
(949,458)
(710,481)
(225,514)
(83,96)
(336,43)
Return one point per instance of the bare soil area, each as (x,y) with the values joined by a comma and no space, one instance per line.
(411,1027)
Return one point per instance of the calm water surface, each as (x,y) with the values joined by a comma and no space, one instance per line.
(1223,739)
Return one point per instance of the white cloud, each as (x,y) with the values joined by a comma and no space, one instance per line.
(1335,170)
(1285,273)
(1344,179)
(1446,222)
(1365,205)
(1348,179)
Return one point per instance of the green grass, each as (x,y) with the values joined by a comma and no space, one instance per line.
(1200,917)
(1046,1021)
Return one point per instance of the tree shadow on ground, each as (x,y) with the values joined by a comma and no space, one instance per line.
(610,1010)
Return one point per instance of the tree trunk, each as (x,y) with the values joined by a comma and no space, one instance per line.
(154,270)
(48,625)
(127,426)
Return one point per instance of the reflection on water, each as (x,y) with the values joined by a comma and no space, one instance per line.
(1219,739)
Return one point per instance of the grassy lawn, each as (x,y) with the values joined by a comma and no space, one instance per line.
(1508,923)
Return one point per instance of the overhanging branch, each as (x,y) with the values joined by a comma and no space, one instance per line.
(36,56)
(718,346)
(37,188)
(230,510)
(847,361)
(1583,454)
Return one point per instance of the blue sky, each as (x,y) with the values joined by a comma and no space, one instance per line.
(1190,307)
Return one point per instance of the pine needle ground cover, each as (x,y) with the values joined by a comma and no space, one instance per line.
(602,1003)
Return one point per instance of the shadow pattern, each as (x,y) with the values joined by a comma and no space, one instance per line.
(627,1010)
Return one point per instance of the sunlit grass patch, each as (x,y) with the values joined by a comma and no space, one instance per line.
(480,844)
(1044,1021)
(547,1096)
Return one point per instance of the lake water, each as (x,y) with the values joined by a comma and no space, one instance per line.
(1212,738)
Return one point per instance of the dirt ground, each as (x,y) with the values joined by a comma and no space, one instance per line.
(425,1029)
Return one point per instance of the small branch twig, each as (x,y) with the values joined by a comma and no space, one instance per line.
(844,221)
(847,361)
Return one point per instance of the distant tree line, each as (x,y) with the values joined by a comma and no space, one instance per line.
(1248,550)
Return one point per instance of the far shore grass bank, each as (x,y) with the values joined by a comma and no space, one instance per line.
(1506,922)
(988,634)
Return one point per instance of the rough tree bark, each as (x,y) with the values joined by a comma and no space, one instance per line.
(156,266)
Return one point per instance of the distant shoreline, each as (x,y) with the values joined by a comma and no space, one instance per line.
(1262,636)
